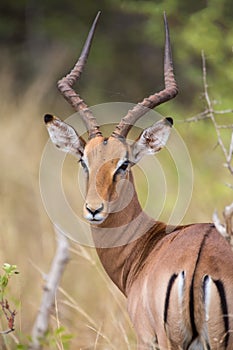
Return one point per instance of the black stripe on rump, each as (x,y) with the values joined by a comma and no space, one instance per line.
(167,299)
(222,295)
(191,291)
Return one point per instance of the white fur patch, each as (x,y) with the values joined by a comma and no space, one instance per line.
(181,286)
(207,296)
(65,137)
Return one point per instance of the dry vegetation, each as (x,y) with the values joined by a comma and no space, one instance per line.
(88,305)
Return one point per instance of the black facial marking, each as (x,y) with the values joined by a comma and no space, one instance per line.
(169,120)
(48,118)
(83,164)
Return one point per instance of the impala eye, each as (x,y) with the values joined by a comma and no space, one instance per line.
(84,166)
(122,168)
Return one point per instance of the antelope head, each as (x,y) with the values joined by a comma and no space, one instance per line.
(107,161)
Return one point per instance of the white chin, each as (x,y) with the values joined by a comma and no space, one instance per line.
(96,220)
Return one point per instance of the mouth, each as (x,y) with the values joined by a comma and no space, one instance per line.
(94,220)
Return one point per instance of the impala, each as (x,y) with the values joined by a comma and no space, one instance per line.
(178,280)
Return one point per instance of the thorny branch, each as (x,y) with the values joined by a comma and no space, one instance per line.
(9,270)
(10,316)
(226,228)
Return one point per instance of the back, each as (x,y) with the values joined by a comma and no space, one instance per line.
(186,291)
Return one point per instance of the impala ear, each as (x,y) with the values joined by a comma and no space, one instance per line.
(152,139)
(64,136)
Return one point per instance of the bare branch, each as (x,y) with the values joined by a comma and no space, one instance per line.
(226,228)
(210,106)
(210,113)
(52,281)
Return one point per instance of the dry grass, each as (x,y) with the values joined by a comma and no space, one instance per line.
(88,305)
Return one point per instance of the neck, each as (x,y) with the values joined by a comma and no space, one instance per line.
(124,240)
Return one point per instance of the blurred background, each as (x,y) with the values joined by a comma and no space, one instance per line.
(39,42)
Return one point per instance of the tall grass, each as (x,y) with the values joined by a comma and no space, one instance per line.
(88,305)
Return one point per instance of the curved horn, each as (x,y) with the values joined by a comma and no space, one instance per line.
(65,87)
(170,91)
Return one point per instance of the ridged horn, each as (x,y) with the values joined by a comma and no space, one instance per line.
(65,86)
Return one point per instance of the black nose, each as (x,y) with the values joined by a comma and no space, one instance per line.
(94,211)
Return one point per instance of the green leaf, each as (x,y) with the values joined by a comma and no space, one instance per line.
(21,347)
(4,281)
(59,330)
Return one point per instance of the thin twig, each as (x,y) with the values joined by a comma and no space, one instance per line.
(199,116)
(224,111)
(210,106)
(229,185)
(230,126)
(230,154)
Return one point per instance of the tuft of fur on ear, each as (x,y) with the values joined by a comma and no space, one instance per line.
(152,139)
(64,136)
